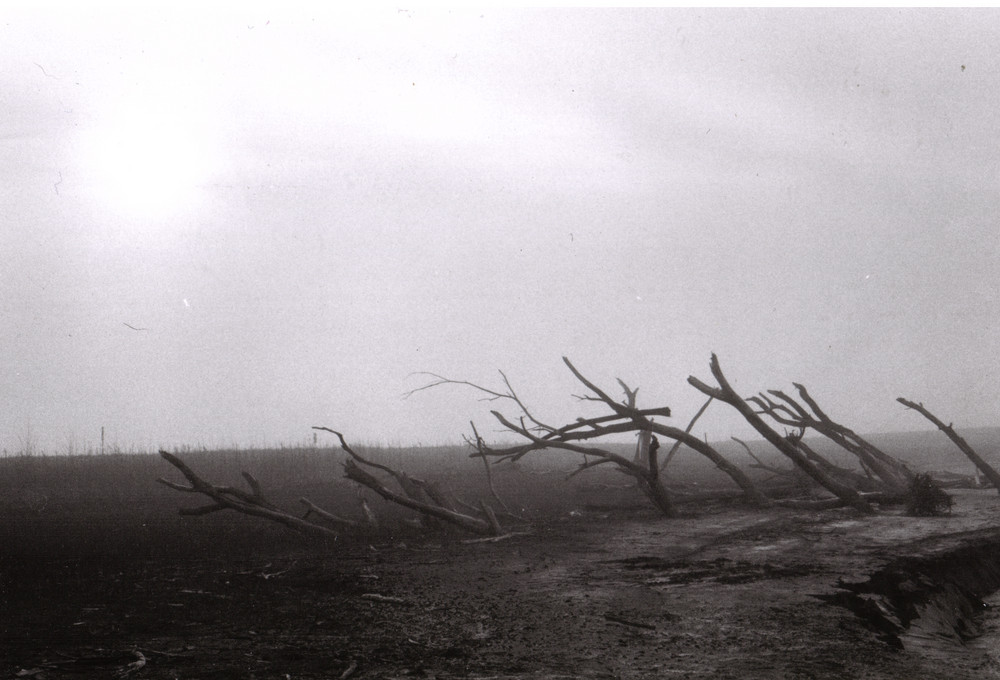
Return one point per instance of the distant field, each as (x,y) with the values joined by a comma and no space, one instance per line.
(61,506)
(89,506)
(97,564)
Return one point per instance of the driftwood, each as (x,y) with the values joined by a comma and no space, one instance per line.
(988,470)
(496,539)
(349,671)
(386,599)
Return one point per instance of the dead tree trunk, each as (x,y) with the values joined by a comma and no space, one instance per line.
(988,470)
(629,411)
(253,503)
(625,416)
(417,495)
(750,490)
(355,473)
(645,472)
(727,394)
(894,476)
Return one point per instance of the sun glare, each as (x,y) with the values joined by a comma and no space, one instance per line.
(146,164)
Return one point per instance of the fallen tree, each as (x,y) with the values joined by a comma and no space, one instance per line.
(579,436)
(789,446)
(883,477)
(890,474)
(420,495)
(988,470)
(417,494)
(251,503)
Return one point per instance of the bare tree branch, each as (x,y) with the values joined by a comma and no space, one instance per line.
(227,498)
(988,470)
(486,464)
(677,444)
(726,393)
(759,463)
(893,474)
(621,410)
(492,395)
(441,380)
(313,509)
(417,491)
(355,473)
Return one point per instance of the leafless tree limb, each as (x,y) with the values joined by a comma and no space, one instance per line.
(228,498)
(893,475)
(492,395)
(626,416)
(355,473)
(313,509)
(677,444)
(417,494)
(988,470)
(725,392)
(489,472)
(758,463)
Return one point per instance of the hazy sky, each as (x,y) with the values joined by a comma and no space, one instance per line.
(304,208)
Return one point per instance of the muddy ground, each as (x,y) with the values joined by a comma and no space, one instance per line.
(597,592)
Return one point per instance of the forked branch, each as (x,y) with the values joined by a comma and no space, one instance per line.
(725,392)
(626,416)
(491,395)
(229,498)
(417,494)
(894,476)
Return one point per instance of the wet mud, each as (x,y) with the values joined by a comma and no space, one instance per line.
(724,592)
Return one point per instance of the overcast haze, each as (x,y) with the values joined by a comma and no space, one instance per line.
(301,209)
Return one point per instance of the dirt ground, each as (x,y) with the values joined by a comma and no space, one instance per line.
(599,593)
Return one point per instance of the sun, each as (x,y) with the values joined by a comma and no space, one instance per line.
(146,163)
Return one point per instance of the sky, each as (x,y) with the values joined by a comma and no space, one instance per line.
(300,210)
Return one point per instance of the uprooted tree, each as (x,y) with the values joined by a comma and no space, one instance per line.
(886,478)
(579,436)
(787,445)
(882,478)
(423,496)
(417,494)
(987,470)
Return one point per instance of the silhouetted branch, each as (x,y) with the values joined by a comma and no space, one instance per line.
(988,470)
(355,473)
(725,392)
(677,444)
(419,495)
(228,498)
(894,475)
